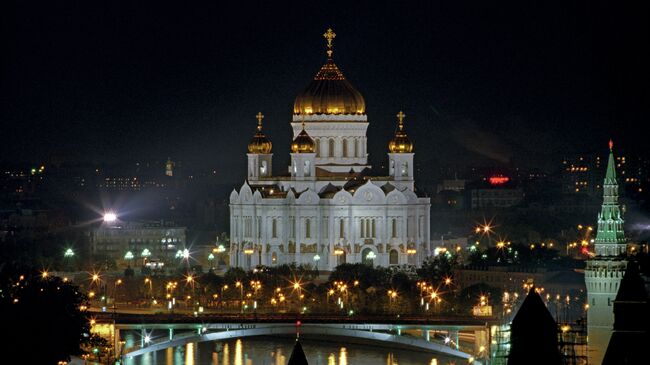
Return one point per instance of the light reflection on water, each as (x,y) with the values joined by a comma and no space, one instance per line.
(276,351)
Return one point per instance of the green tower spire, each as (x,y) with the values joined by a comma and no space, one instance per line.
(610,240)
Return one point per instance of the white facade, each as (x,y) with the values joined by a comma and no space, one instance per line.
(337,226)
(328,210)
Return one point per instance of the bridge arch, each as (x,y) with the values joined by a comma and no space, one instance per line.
(355,333)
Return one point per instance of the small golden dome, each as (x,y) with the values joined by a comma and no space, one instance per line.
(401,142)
(260,143)
(303,143)
(329,92)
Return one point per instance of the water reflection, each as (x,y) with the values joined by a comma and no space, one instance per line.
(276,351)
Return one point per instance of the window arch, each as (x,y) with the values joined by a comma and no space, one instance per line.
(357,150)
(393,257)
(345,148)
(331,147)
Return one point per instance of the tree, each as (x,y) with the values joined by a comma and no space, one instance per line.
(43,316)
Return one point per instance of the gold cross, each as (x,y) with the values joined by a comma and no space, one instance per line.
(259,117)
(401,116)
(329,36)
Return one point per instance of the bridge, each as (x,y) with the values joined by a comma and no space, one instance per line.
(462,337)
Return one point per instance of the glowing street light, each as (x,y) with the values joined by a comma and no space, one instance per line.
(128,255)
(110,217)
(68,253)
(316,259)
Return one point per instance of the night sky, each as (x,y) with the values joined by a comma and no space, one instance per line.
(519,83)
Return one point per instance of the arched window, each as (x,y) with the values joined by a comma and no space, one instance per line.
(342,228)
(331,147)
(307,228)
(363,230)
(345,148)
(391,167)
(263,168)
(357,151)
(394,228)
(306,168)
(393,258)
(317,147)
(373,235)
(274,258)
(274,228)
(405,168)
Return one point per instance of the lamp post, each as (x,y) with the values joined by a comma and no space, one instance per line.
(145,255)
(68,255)
(117,283)
(148,281)
(211,260)
(316,259)
(128,256)
(241,294)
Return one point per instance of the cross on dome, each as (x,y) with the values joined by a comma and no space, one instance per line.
(400,117)
(329,35)
(259,117)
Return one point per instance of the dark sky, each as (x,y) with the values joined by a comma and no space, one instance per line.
(491,82)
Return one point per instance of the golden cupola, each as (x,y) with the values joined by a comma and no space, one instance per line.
(329,92)
(401,142)
(260,144)
(303,143)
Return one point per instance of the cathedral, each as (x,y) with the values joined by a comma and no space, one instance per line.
(328,209)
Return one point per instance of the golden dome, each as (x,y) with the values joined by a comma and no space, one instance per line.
(260,143)
(303,143)
(329,92)
(401,142)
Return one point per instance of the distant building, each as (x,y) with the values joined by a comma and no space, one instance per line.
(512,278)
(581,174)
(457,185)
(135,243)
(495,192)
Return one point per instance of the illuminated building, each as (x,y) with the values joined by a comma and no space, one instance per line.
(329,206)
(495,192)
(115,239)
(605,270)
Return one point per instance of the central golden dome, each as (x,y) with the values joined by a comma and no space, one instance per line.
(329,92)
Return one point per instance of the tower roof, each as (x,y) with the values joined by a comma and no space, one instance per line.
(298,356)
(533,335)
(303,143)
(329,92)
(260,143)
(401,142)
(610,175)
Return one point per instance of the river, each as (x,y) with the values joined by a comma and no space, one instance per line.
(276,351)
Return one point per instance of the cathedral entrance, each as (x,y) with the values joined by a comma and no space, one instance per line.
(368,256)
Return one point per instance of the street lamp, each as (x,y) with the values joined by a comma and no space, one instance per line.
(316,259)
(211,259)
(68,253)
(145,255)
(110,217)
(117,283)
